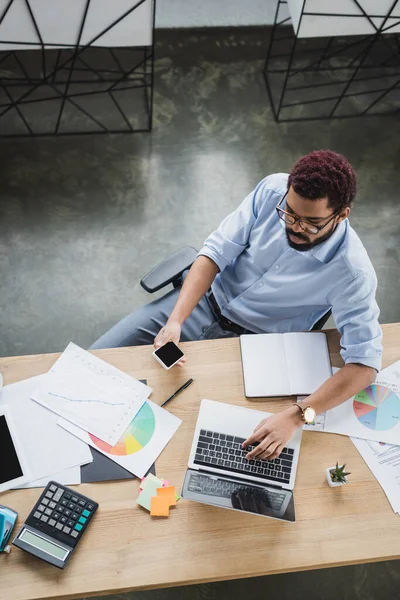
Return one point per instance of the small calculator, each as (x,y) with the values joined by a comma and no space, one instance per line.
(56,524)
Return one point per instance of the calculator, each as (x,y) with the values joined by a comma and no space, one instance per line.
(56,524)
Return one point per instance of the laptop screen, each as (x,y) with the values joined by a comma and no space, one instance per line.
(237,495)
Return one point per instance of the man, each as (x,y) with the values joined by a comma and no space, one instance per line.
(278,263)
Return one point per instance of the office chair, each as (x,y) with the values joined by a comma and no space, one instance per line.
(171,269)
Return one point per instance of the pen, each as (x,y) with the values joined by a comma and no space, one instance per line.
(183,387)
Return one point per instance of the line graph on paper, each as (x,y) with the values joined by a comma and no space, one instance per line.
(91,394)
(87,400)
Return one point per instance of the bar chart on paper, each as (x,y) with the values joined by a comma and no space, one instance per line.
(91,394)
(377,407)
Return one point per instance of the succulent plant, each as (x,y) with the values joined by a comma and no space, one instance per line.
(338,474)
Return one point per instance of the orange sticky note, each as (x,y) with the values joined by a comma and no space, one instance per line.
(159,507)
(168,493)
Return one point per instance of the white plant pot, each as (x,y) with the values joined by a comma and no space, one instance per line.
(329,480)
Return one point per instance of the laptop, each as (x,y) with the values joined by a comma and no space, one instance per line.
(220,475)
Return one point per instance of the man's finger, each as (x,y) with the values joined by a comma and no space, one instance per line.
(259,425)
(159,341)
(255,453)
(268,452)
(161,338)
(255,437)
(276,452)
(258,450)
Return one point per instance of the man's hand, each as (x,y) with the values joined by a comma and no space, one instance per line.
(272,434)
(170,333)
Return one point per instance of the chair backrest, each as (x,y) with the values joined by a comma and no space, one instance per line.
(169,270)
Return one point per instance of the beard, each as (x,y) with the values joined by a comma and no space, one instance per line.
(307,243)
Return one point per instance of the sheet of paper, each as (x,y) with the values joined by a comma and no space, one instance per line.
(49,448)
(379,447)
(392,373)
(139,446)
(265,368)
(374,413)
(70,476)
(91,394)
(308,361)
(385,467)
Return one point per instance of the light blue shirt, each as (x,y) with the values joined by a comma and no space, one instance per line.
(265,285)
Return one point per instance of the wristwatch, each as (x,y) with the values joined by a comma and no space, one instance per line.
(308,414)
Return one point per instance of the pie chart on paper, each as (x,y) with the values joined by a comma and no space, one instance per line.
(136,436)
(377,407)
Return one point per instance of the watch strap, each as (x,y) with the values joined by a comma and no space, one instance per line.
(301,410)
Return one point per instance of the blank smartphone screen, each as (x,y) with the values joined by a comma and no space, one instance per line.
(169,354)
(10,467)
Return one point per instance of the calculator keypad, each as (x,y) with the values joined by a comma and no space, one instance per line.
(60,511)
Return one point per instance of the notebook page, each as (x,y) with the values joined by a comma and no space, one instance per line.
(308,361)
(265,369)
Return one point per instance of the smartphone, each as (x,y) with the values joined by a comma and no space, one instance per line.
(168,355)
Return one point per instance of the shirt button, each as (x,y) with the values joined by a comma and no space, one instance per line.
(260,284)
(228,308)
(277,267)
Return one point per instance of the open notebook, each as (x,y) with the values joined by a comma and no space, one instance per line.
(284,364)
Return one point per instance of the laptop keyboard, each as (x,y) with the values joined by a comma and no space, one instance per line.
(225,452)
(202,484)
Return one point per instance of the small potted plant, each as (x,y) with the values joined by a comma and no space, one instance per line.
(336,476)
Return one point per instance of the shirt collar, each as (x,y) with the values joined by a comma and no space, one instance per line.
(326,251)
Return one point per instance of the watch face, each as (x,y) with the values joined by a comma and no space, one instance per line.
(309,415)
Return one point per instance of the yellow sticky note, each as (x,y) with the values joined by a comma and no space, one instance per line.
(168,493)
(159,507)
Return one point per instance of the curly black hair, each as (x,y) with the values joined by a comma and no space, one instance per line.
(322,174)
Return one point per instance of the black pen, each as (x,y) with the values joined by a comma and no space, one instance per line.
(184,386)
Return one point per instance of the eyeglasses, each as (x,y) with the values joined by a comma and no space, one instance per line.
(306,226)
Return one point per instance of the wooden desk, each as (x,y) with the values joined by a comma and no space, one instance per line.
(124,549)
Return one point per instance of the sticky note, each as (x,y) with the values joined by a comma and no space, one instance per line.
(168,493)
(151,479)
(159,507)
(150,489)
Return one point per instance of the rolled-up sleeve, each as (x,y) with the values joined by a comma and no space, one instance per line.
(356,314)
(232,236)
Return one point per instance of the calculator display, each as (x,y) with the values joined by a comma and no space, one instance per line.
(38,541)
